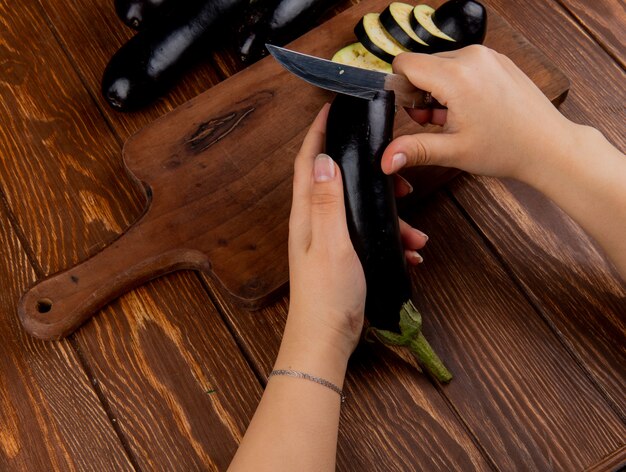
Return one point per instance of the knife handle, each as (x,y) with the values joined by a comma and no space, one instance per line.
(407,95)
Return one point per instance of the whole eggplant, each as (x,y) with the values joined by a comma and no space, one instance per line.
(147,65)
(357,133)
(139,14)
(276,22)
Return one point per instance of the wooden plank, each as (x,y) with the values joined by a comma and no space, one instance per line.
(614,462)
(61,172)
(605,21)
(516,385)
(586,302)
(64,182)
(50,416)
(183,395)
(519,391)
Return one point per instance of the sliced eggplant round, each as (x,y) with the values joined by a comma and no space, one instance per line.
(427,31)
(463,20)
(376,39)
(396,19)
(356,55)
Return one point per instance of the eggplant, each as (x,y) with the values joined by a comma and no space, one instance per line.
(376,39)
(357,56)
(138,14)
(151,61)
(276,22)
(427,31)
(358,131)
(396,19)
(463,20)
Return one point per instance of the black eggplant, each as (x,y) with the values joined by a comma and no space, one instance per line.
(138,14)
(358,131)
(154,58)
(463,20)
(276,22)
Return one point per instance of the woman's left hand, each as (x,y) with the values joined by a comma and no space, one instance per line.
(326,278)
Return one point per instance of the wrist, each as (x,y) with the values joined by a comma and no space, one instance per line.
(317,350)
(558,157)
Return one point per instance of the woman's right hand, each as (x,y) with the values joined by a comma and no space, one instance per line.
(498,122)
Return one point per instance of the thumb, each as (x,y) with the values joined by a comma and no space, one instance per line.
(328,214)
(421,149)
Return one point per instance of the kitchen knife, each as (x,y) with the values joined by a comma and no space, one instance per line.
(341,78)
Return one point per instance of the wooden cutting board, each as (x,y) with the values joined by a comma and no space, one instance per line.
(217,172)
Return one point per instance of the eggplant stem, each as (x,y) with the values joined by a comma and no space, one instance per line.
(411,337)
(428,358)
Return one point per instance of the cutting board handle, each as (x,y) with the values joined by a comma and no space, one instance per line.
(58,305)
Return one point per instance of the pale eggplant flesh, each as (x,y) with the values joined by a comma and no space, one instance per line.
(370,32)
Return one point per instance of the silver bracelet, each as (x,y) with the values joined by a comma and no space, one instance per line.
(303,375)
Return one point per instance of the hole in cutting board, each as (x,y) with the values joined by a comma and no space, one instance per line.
(44,305)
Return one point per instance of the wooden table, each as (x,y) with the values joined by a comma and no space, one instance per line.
(522,305)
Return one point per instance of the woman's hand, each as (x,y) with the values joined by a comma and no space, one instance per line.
(326,278)
(498,122)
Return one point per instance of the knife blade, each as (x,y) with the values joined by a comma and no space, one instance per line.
(350,80)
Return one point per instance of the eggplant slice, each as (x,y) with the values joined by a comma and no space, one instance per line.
(396,19)
(376,39)
(427,31)
(356,55)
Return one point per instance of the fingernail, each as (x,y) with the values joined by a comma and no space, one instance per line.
(407,183)
(418,257)
(323,168)
(423,235)
(398,161)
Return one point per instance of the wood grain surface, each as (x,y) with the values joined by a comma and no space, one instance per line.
(604,20)
(614,462)
(185,394)
(144,362)
(223,150)
(50,417)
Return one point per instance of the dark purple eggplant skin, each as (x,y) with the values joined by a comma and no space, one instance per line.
(463,20)
(276,22)
(140,14)
(152,60)
(357,133)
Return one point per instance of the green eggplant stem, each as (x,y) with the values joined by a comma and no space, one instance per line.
(411,337)
(427,357)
